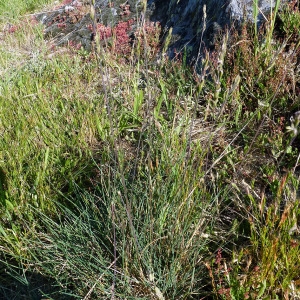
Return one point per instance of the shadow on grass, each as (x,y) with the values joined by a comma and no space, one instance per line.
(29,285)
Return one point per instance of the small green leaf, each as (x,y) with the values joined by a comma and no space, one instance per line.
(262,289)
(9,205)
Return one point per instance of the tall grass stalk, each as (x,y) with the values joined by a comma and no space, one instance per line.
(272,23)
(255,18)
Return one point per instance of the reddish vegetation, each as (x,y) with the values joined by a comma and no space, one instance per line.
(10,28)
(150,32)
(125,9)
(120,38)
(76,46)
(120,33)
(33,21)
(61,25)
(103,31)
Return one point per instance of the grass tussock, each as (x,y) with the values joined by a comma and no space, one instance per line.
(124,175)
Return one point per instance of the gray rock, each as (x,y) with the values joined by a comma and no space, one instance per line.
(72,23)
(198,23)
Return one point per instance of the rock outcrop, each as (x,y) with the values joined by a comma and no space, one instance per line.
(70,22)
(198,23)
(194,24)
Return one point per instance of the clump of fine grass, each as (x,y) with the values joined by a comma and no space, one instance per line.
(150,181)
(145,191)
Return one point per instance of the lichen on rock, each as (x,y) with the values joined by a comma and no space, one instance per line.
(71,23)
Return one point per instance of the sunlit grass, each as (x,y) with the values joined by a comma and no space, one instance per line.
(13,9)
(145,180)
